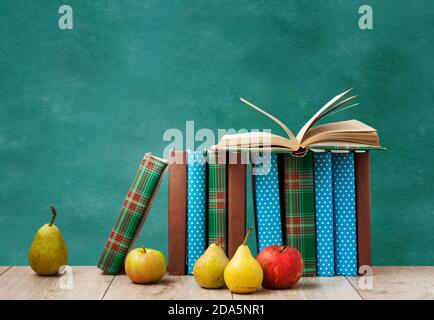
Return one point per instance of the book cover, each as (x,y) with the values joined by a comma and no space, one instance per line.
(196,207)
(344,204)
(299,208)
(323,185)
(363,203)
(177,212)
(133,213)
(217,199)
(266,199)
(236,201)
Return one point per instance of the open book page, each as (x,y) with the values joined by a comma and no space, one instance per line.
(253,140)
(292,139)
(351,134)
(333,110)
(342,132)
(322,112)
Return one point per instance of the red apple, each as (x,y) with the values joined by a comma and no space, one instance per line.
(282,266)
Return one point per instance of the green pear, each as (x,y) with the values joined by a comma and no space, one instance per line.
(48,251)
(243,274)
(208,269)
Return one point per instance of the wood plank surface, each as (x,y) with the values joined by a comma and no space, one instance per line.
(170,287)
(192,291)
(85,283)
(123,289)
(90,283)
(3,269)
(399,283)
(312,288)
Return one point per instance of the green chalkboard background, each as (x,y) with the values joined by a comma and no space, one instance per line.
(79,108)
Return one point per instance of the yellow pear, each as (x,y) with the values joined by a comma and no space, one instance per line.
(243,274)
(48,251)
(208,269)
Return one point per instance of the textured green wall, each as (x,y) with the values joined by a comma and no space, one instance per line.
(79,108)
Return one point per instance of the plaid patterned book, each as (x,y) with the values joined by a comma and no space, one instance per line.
(299,208)
(133,213)
(324,214)
(344,203)
(217,198)
(266,199)
(196,207)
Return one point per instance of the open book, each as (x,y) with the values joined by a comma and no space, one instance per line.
(342,135)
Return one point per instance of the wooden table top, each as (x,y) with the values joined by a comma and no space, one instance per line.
(90,283)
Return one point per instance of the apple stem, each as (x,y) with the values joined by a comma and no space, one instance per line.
(144,250)
(284,248)
(53,215)
(247,235)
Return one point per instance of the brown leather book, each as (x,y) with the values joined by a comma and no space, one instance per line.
(236,200)
(363,202)
(177,212)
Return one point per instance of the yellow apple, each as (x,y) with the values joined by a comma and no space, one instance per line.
(144,265)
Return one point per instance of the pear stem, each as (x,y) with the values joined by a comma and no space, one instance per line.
(144,250)
(219,241)
(53,215)
(247,236)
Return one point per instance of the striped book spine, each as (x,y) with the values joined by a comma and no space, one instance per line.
(217,198)
(299,208)
(344,204)
(196,207)
(323,178)
(266,199)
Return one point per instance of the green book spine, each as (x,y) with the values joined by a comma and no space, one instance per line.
(299,208)
(217,198)
(133,213)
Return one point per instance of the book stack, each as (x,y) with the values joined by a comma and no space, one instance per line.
(310,192)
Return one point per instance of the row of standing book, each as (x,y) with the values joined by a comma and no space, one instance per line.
(318,204)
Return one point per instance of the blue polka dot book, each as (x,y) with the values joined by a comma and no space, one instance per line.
(196,207)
